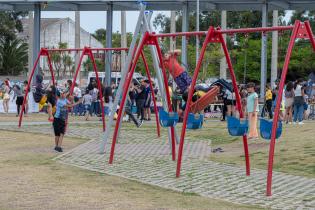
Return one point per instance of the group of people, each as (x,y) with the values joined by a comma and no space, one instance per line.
(18,93)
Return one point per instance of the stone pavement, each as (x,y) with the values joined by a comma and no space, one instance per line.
(143,157)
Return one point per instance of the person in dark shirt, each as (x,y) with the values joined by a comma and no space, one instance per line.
(140,100)
(147,103)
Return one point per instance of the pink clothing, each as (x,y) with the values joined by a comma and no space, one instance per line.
(172,65)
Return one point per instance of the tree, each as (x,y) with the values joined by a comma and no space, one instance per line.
(62,61)
(10,23)
(13,56)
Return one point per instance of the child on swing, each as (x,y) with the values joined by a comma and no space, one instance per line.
(42,96)
(180,76)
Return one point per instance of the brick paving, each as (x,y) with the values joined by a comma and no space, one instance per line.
(143,157)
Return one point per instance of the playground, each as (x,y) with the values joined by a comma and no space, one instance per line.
(250,156)
(217,177)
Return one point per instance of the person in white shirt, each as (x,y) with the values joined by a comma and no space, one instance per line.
(298,102)
(77,96)
(87,102)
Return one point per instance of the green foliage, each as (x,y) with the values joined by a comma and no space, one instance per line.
(62,61)
(10,23)
(13,56)
(88,66)
(302,60)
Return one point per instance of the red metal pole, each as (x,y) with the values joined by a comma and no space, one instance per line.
(124,96)
(168,97)
(28,86)
(93,49)
(238,97)
(278,103)
(75,77)
(190,94)
(99,87)
(50,68)
(228,31)
(153,95)
(310,33)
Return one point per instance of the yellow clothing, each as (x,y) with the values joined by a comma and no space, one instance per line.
(170,91)
(268,95)
(200,93)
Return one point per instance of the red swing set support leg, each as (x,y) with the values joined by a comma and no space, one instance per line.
(153,94)
(87,51)
(238,98)
(300,30)
(213,36)
(147,40)
(124,96)
(43,52)
(168,97)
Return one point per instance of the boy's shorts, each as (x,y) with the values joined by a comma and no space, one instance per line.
(59,126)
(183,81)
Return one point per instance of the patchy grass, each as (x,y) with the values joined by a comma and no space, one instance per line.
(294,151)
(30,179)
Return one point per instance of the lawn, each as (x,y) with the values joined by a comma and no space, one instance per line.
(30,179)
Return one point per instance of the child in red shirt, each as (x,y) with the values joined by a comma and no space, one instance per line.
(181,77)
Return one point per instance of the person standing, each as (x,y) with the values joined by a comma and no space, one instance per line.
(252,110)
(289,99)
(87,102)
(268,101)
(230,102)
(298,102)
(94,93)
(25,83)
(18,95)
(77,96)
(140,100)
(59,123)
(6,96)
(147,103)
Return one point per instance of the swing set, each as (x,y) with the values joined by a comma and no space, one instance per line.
(84,52)
(236,127)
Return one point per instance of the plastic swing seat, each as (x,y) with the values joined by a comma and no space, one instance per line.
(266,127)
(168,119)
(133,109)
(237,127)
(194,122)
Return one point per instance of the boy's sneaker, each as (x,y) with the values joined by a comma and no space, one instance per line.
(140,123)
(301,123)
(58,149)
(294,123)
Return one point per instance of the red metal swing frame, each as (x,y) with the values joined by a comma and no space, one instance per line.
(87,51)
(215,35)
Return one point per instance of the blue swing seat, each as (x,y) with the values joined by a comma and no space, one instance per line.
(236,127)
(194,122)
(168,119)
(134,109)
(266,127)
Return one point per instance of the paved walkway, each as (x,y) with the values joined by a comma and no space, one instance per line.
(142,157)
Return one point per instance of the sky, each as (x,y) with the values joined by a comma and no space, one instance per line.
(91,21)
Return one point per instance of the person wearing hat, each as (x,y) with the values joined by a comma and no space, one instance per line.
(59,123)
(252,110)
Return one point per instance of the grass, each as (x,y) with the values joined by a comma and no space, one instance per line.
(294,151)
(30,179)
